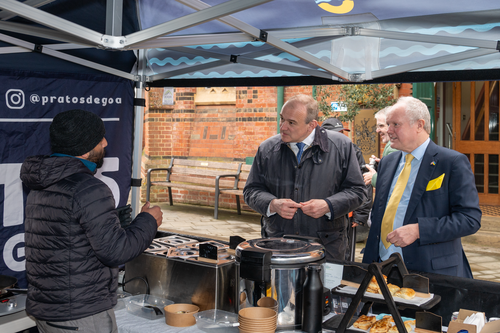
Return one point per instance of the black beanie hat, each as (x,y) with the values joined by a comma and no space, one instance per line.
(76,132)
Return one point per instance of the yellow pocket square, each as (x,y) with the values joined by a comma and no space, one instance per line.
(435,184)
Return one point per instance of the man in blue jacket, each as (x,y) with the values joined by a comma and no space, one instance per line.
(438,201)
(74,241)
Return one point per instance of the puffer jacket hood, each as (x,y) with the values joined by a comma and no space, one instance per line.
(40,172)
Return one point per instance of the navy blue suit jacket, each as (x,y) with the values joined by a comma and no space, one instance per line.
(444,215)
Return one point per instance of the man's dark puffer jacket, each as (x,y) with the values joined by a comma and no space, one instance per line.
(74,242)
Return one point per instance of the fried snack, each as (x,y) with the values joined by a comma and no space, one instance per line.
(364,322)
(381,326)
(373,285)
(394,328)
(389,317)
(411,322)
(393,288)
(406,293)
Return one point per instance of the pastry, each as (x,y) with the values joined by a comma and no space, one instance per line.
(411,322)
(406,293)
(381,326)
(389,317)
(393,288)
(373,285)
(364,322)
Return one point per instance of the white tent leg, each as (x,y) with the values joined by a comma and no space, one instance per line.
(138,129)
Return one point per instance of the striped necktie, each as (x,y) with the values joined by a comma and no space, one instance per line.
(392,206)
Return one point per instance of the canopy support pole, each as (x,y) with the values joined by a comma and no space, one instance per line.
(135,200)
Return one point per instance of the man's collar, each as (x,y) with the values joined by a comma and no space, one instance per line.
(419,152)
(310,138)
(91,165)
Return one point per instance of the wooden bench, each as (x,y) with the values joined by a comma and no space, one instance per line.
(237,190)
(216,177)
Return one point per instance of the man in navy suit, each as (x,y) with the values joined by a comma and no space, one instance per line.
(439,204)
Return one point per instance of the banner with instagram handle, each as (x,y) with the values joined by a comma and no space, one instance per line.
(27,107)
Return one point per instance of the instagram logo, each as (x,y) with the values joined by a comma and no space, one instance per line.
(14,98)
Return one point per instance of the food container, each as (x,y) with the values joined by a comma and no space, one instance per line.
(217,321)
(121,300)
(180,315)
(147,306)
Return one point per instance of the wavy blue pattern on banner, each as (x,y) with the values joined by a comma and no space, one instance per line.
(226,45)
(263,73)
(181,60)
(287,56)
(422,50)
(451,30)
(465,65)
(240,44)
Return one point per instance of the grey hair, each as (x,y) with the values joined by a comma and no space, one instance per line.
(310,103)
(415,110)
(382,112)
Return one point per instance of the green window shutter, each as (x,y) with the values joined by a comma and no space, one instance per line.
(425,92)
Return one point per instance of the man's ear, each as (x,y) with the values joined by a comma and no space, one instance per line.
(313,124)
(85,156)
(420,124)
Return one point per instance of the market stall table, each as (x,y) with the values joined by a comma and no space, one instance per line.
(16,322)
(129,323)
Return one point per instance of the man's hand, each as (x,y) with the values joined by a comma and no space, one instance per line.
(286,208)
(155,211)
(367,176)
(315,208)
(125,215)
(404,235)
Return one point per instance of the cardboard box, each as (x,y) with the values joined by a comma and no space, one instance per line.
(457,325)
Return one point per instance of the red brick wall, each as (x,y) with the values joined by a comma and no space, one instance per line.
(229,133)
(206,132)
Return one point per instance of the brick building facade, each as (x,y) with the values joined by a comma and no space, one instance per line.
(223,125)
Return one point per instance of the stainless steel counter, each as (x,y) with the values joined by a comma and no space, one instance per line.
(16,322)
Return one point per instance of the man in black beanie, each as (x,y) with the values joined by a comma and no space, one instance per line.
(73,238)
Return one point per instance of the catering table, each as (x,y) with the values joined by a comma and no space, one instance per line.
(16,322)
(129,323)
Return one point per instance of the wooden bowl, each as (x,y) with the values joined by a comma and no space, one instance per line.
(180,315)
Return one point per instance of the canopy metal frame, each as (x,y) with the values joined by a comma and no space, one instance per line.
(75,36)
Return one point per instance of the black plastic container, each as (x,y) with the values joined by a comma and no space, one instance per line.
(312,305)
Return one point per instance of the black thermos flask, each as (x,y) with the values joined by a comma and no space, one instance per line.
(312,304)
